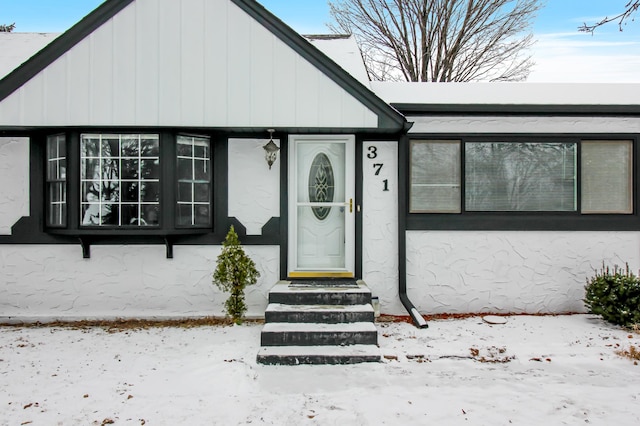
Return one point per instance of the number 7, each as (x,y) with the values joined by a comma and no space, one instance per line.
(378,167)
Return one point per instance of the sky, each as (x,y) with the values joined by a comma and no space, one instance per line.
(561,53)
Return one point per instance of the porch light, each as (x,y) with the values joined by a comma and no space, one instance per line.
(271,149)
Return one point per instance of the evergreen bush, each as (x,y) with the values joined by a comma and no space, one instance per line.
(615,295)
(234,272)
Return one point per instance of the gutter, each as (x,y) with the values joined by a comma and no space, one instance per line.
(403,154)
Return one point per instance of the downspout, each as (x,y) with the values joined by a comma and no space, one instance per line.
(403,159)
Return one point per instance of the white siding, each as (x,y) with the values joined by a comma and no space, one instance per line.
(380,225)
(510,272)
(14,182)
(55,282)
(531,124)
(203,63)
(254,190)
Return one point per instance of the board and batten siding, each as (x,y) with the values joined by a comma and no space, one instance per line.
(192,63)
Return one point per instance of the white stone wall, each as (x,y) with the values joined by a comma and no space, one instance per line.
(254,190)
(380,223)
(14,182)
(54,282)
(516,272)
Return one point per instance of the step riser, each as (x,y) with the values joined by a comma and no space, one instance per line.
(318,338)
(315,359)
(308,298)
(319,317)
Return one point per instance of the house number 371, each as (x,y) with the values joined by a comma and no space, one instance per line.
(377,167)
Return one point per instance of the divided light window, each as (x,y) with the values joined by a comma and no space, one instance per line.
(194,181)
(119,180)
(521,176)
(56,181)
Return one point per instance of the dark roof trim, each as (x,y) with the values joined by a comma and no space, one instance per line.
(58,47)
(486,109)
(389,118)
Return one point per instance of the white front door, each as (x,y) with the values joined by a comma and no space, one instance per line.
(321,206)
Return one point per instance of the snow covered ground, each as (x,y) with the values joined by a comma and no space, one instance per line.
(530,371)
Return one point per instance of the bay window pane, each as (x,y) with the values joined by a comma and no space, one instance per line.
(118,174)
(435,177)
(194,181)
(56,181)
(607,170)
(509,176)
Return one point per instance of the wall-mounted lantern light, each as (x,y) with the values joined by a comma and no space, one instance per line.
(271,149)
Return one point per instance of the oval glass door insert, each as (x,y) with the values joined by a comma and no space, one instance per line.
(321,185)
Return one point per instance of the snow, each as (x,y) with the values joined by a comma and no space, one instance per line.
(546,370)
(508,93)
(16,48)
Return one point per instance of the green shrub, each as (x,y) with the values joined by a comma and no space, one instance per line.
(615,295)
(234,271)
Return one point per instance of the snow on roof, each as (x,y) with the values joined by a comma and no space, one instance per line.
(508,93)
(344,51)
(16,48)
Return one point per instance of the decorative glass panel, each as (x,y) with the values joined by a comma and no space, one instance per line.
(435,177)
(607,170)
(321,185)
(509,176)
(120,180)
(56,181)
(194,181)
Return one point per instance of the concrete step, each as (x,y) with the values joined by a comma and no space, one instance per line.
(314,334)
(329,314)
(295,355)
(285,292)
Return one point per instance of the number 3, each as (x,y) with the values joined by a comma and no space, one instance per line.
(373,152)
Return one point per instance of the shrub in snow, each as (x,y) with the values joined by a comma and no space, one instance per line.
(234,271)
(615,295)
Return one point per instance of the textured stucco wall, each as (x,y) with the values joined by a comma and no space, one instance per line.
(521,272)
(14,182)
(380,223)
(254,190)
(55,282)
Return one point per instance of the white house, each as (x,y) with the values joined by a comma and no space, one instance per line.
(130,144)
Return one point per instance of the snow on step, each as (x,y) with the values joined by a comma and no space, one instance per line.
(294,355)
(353,327)
(281,307)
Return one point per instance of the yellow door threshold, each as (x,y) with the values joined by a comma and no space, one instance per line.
(320,274)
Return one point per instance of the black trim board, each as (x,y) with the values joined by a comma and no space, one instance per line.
(45,57)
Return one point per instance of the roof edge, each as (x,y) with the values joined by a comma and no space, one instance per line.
(54,50)
(517,109)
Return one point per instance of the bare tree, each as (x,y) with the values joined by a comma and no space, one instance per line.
(627,14)
(7,28)
(440,40)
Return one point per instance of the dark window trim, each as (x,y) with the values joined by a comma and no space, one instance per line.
(524,221)
(32,229)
